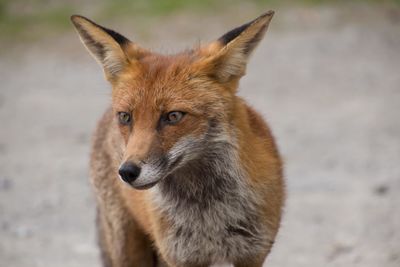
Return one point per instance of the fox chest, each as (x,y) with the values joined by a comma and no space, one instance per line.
(213,232)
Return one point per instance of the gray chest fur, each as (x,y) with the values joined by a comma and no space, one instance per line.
(212,212)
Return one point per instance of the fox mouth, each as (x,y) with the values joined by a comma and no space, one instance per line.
(145,186)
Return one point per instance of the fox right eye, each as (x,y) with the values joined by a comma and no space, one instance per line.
(124,118)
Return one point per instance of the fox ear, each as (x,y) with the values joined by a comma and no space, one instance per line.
(108,47)
(228,55)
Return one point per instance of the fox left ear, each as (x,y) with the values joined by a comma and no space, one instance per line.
(112,50)
(227,57)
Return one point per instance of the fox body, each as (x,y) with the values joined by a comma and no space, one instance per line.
(201,178)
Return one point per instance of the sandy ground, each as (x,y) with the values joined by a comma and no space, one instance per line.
(327,80)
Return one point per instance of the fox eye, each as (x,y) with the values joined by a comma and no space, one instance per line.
(124,118)
(174,117)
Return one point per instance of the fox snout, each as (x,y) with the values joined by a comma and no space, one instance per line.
(144,174)
(129,172)
(140,176)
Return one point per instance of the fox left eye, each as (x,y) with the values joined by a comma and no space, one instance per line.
(124,118)
(174,117)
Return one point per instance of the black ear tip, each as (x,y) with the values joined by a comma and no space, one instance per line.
(229,36)
(268,14)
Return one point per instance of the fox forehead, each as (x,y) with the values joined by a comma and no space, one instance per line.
(166,83)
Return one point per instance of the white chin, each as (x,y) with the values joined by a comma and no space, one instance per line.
(141,184)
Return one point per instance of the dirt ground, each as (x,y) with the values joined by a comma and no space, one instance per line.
(327,79)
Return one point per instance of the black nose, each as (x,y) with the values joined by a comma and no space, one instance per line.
(129,172)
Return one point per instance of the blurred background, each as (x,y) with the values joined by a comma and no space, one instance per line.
(326,77)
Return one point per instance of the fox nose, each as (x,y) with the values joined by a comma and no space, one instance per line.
(129,172)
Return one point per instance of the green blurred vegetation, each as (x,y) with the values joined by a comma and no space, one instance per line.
(33,18)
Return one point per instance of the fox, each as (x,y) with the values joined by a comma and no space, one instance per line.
(184,172)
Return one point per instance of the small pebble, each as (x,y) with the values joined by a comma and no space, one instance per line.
(381,190)
(5,184)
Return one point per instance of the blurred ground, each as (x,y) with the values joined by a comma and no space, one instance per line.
(326,78)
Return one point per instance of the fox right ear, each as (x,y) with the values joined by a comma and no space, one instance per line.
(227,57)
(107,46)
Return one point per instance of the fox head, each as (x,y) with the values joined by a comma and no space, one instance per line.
(171,108)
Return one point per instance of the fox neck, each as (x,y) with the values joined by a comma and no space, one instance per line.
(215,176)
(205,180)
